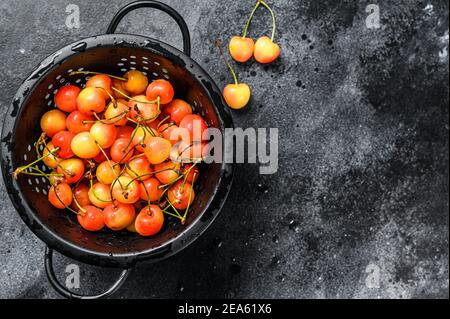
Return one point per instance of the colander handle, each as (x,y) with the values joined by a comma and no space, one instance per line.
(156,5)
(71,295)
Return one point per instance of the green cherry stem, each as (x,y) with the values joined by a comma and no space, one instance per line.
(273,18)
(219,45)
(250,19)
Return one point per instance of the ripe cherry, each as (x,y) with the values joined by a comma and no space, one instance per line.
(122,150)
(241,48)
(266,50)
(195,125)
(66,98)
(157,149)
(181,194)
(100,195)
(91,100)
(53,122)
(103,134)
(151,188)
(125,190)
(101,82)
(60,195)
(83,145)
(91,218)
(237,95)
(72,169)
(139,167)
(178,109)
(81,197)
(62,140)
(107,172)
(167,172)
(50,158)
(119,216)
(136,82)
(142,110)
(149,221)
(78,122)
(117,113)
(162,89)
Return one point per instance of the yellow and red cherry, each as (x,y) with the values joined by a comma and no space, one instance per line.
(266,50)
(136,82)
(91,218)
(101,82)
(119,216)
(60,196)
(66,98)
(104,134)
(78,122)
(100,195)
(157,149)
(72,169)
(62,140)
(84,146)
(177,109)
(149,221)
(162,89)
(116,113)
(91,100)
(241,49)
(53,122)
(107,172)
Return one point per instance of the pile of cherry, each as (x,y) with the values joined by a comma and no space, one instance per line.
(122,152)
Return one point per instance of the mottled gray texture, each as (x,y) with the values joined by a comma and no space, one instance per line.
(363,176)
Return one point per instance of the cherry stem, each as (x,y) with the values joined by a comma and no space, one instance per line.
(189,200)
(273,18)
(134,100)
(219,45)
(78,204)
(20,169)
(176,211)
(98,73)
(250,19)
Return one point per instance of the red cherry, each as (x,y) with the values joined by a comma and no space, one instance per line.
(66,98)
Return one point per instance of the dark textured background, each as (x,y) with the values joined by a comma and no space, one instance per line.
(363,174)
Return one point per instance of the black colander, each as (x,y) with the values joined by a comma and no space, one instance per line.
(112,54)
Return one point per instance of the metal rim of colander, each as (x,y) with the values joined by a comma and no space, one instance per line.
(30,216)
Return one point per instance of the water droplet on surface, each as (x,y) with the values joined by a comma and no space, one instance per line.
(218,242)
(262,188)
(275,260)
(293,224)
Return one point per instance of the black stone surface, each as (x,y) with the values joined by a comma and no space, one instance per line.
(362,186)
